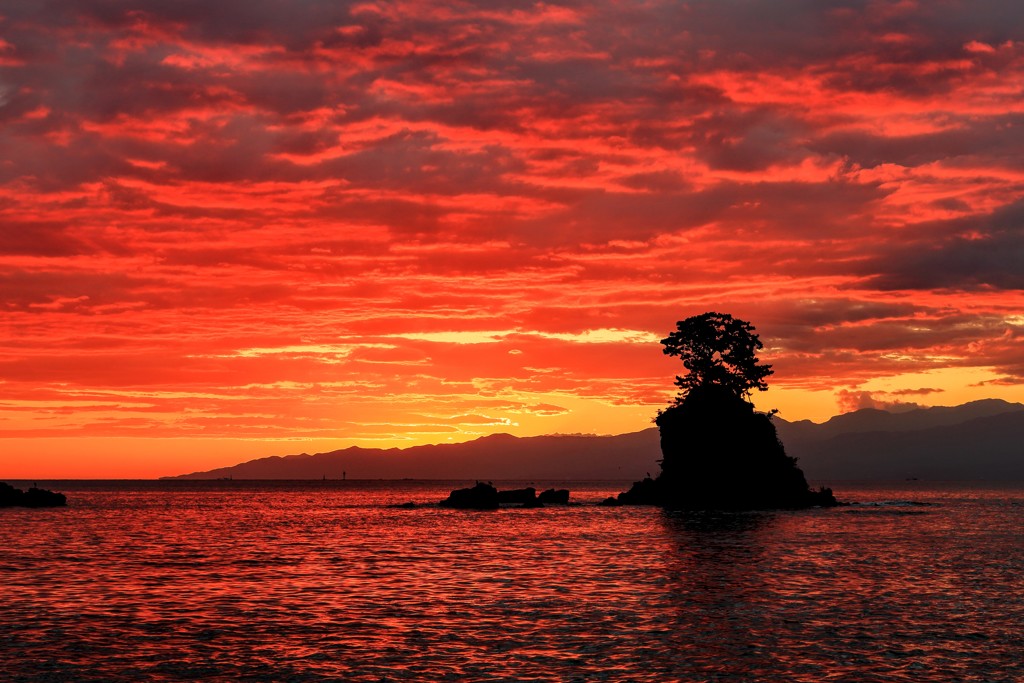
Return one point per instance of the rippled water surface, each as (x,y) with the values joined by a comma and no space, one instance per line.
(318,581)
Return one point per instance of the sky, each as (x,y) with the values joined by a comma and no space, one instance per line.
(252,227)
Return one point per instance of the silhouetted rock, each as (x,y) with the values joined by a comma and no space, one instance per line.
(480,497)
(486,497)
(33,498)
(42,498)
(823,497)
(720,454)
(554,497)
(647,491)
(406,506)
(611,502)
(525,496)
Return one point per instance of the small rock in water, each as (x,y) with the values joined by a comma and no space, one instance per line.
(525,496)
(486,497)
(33,498)
(559,497)
(480,497)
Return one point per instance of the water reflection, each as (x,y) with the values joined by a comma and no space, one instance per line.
(709,528)
(724,630)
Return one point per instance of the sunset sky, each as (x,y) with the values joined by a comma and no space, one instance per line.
(233,229)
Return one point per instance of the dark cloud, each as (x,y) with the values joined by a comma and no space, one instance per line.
(749,140)
(232,21)
(37,238)
(977,252)
(990,139)
(79,292)
(790,321)
(916,392)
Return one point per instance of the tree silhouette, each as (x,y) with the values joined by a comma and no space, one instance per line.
(717,350)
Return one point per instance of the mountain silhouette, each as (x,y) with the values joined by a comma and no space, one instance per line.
(499,456)
(874,420)
(980,440)
(977,440)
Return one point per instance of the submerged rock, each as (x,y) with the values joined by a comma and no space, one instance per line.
(480,497)
(33,498)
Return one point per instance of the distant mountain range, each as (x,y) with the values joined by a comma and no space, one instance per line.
(495,457)
(977,440)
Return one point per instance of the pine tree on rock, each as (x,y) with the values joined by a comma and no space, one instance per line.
(719,351)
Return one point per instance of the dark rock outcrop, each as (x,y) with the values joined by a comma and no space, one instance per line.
(554,497)
(486,497)
(33,498)
(527,496)
(480,497)
(647,491)
(720,454)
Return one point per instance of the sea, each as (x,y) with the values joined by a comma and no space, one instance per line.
(330,581)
